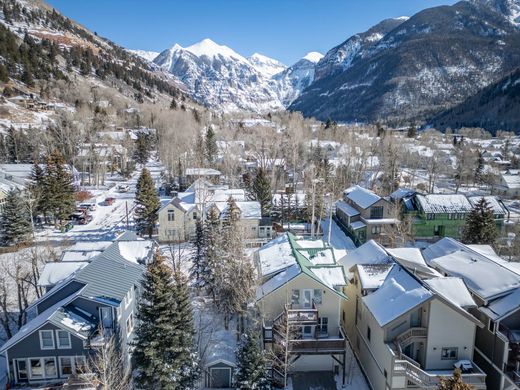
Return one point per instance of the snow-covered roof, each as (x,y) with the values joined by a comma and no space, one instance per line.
(412,259)
(346,208)
(56,272)
(38,321)
(444,203)
(363,197)
(401,193)
(492,201)
(357,225)
(369,253)
(398,294)
(330,276)
(202,172)
(72,256)
(248,210)
(277,281)
(453,290)
(85,246)
(275,256)
(371,276)
(484,277)
(138,251)
(511,181)
(503,307)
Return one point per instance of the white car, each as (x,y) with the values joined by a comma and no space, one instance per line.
(123,188)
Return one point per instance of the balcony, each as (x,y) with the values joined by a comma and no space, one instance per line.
(430,379)
(320,345)
(303,316)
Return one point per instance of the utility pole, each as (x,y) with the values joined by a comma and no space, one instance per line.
(126,208)
(331,196)
(312,217)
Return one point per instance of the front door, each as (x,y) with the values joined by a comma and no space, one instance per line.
(307,331)
(106,317)
(307,298)
(220,378)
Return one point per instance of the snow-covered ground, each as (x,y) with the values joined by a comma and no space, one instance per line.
(106,220)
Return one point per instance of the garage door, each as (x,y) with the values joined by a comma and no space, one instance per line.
(220,378)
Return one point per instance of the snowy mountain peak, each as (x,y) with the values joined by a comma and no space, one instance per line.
(209,48)
(267,66)
(146,54)
(313,56)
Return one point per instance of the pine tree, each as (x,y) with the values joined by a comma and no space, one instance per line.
(212,236)
(148,203)
(454,383)
(412,131)
(251,368)
(142,148)
(4,74)
(198,262)
(479,170)
(164,355)
(58,192)
(262,190)
(15,224)
(480,227)
(210,146)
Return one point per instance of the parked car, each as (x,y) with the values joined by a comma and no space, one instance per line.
(85,220)
(123,188)
(109,201)
(91,206)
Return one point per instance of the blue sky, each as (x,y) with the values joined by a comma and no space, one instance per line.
(282,29)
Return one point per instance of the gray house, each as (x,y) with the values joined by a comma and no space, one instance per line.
(495,286)
(74,318)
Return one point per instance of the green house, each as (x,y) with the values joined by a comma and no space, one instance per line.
(443,215)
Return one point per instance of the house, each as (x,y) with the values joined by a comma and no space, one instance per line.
(178,217)
(396,320)
(442,215)
(495,287)
(299,297)
(77,314)
(509,184)
(364,215)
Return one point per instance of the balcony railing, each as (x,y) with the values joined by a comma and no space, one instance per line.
(302,315)
(431,380)
(513,335)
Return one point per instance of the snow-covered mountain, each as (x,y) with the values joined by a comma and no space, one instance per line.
(410,69)
(267,66)
(289,84)
(220,78)
(145,54)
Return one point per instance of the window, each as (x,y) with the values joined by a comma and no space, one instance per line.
(65,366)
(295,297)
(194,215)
(376,212)
(358,312)
(171,215)
(323,326)
(36,368)
(63,338)
(491,326)
(50,367)
(450,353)
(81,364)
(369,333)
(171,232)
(46,339)
(21,368)
(430,216)
(343,315)
(376,229)
(130,323)
(317,297)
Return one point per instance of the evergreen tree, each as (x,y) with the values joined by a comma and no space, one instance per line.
(212,235)
(4,74)
(15,223)
(479,170)
(58,193)
(148,203)
(173,104)
(454,383)
(142,148)
(164,355)
(412,131)
(198,262)
(480,227)
(262,191)
(210,149)
(251,368)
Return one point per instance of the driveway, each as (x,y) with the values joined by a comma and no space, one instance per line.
(314,380)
